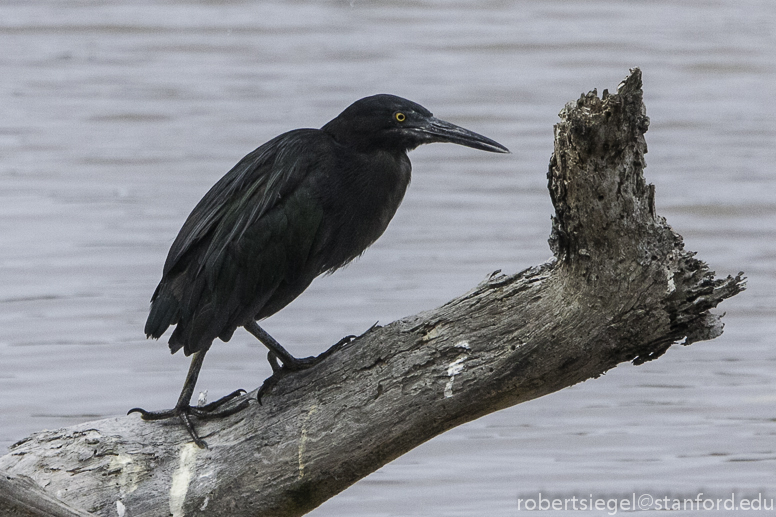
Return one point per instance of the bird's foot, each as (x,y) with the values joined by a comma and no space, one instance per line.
(283,368)
(292,364)
(206,412)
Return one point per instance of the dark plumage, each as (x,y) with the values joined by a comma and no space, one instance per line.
(305,203)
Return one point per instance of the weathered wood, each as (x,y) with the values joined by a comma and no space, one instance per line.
(22,497)
(620,288)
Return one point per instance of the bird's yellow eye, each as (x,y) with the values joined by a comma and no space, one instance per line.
(399,116)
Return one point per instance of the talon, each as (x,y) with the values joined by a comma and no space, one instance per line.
(153,415)
(267,386)
(300,364)
(185,411)
(209,415)
(220,402)
(202,444)
(273,362)
(345,340)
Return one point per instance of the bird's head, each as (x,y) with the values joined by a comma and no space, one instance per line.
(392,123)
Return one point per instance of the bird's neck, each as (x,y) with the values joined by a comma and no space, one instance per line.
(362,138)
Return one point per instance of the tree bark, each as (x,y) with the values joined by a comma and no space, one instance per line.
(22,497)
(620,288)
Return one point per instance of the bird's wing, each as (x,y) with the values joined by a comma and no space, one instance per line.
(253,186)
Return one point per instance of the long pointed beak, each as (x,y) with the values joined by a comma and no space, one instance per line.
(436,130)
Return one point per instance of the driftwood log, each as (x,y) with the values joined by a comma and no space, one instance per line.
(620,288)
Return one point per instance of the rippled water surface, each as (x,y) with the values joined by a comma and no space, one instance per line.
(118,116)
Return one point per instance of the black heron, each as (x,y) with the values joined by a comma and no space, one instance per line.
(305,203)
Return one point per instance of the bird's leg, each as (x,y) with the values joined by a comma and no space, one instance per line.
(289,361)
(183,409)
(276,351)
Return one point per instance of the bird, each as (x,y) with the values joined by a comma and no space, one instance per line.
(303,204)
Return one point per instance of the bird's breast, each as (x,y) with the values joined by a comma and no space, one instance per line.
(361,198)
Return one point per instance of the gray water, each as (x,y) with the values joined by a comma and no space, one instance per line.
(116,117)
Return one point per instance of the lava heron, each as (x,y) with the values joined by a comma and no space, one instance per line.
(305,203)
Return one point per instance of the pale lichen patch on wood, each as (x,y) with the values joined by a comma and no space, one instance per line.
(303,437)
(179,485)
(128,472)
(453,369)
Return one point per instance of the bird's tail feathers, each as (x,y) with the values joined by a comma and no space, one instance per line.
(165,311)
(177,341)
(191,336)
